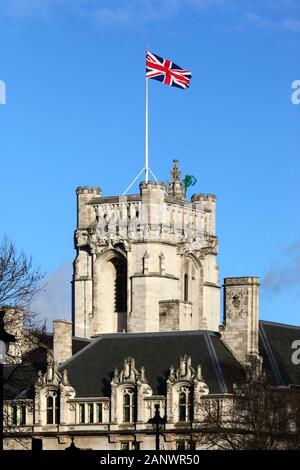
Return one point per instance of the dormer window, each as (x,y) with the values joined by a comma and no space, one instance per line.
(129,406)
(184,404)
(52,408)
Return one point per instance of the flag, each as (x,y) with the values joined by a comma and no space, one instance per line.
(166,71)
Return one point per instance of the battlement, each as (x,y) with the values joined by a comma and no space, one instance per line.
(152,185)
(241,281)
(204,197)
(94,190)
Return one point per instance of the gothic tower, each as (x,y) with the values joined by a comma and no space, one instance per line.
(145,262)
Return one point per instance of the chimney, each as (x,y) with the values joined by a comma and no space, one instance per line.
(240,328)
(62,340)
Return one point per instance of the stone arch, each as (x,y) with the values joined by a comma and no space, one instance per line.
(110,287)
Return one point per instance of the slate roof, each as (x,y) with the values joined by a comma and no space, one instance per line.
(91,370)
(19,379)
(276,341)
(46,339)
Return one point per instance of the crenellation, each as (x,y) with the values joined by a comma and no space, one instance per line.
(200,197)
(152,185)
(91,190)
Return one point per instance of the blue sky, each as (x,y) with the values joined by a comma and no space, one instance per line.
(74,72)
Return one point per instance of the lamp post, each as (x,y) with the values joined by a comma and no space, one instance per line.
(5,339)
(158,424)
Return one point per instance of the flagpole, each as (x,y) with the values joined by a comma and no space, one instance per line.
(146,136)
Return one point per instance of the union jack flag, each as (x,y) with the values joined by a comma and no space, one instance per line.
(166,71)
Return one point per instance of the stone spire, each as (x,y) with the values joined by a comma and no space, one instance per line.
(175,186)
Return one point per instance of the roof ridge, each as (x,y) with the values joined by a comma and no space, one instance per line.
(215,363)
(155,333)
(270,355)
(285,325)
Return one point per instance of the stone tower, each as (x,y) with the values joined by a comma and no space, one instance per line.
(145,262)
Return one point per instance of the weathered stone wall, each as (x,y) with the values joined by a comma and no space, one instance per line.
(241,309)
(62,340)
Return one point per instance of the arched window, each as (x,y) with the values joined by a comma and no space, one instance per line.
(52,408)
(184,405)
(186,287)
(120,286)
(129,406)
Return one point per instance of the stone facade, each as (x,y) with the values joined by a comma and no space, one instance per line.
(241,304)
(137,253)
(144,263)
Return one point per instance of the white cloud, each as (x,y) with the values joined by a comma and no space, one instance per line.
(284,24)
(54,302)
(284,276)
(106,12)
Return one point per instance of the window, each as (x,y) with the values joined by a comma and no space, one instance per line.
(52,408)
(22,415)
(90,412)
(18,415)
(130,445)
(120,286)
(14,415)
(185,445)
(129,408)
(184,405)
(99,414)
(186,287)
(82,413)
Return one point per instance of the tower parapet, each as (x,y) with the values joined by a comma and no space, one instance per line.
(204,197)
(152,185)
(92,190)
(84,195)
(208,202)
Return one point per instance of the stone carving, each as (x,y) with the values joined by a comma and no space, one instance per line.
(81,238)
(65,379)
(146,263)
(243,314)
(236,301)
(162,263)
(229,314)
(185,372)
(40,380)
(129,373)
(50,371)
(76,265)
